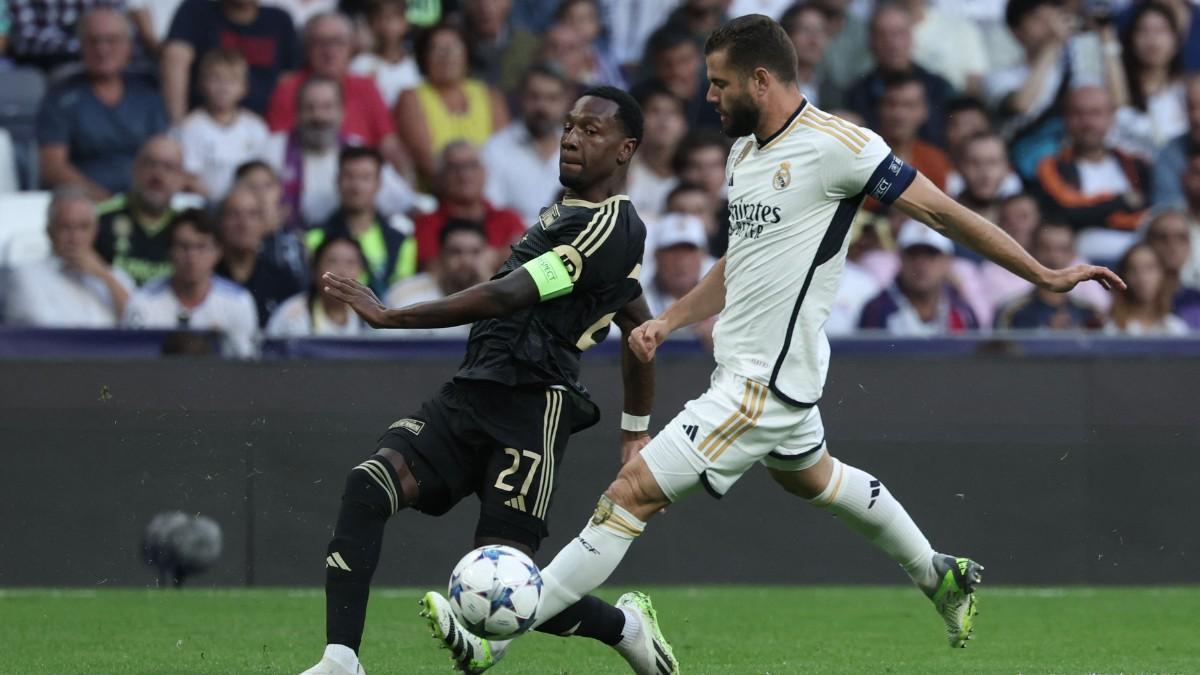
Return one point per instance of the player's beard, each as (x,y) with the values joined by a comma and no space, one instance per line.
(743,118)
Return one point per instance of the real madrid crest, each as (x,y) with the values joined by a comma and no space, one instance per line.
(782,177)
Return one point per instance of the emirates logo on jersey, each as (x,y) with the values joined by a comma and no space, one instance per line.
(782,177)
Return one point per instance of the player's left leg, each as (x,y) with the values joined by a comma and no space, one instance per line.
(804,467)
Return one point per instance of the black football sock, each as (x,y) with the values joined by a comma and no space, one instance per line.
(590,617)
(370,498)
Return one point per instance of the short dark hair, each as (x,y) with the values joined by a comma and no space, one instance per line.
(1017,10)
(1049,225)
(792,14)
(352,153)
(629,113)
(245,168)
(374,7)
(695,140)
(902,79)
(682,188)
(665,39)
(960,104)
(547,70)
(314,284)
(985,136)
(652,89)
(456,225)
(197,219)
(315,80)
(755,41)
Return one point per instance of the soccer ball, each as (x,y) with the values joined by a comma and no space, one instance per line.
(494,592)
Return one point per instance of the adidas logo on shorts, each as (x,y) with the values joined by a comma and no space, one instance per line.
(690,431)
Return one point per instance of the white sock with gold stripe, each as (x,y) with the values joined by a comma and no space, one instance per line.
(862,502)
(589,559)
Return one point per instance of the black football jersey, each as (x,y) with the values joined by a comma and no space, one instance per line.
(601,246)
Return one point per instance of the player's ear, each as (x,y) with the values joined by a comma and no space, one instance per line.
(625,152)
(760,80)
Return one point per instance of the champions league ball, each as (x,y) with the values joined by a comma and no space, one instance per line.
(494,592)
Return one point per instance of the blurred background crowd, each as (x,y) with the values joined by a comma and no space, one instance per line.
(198,163)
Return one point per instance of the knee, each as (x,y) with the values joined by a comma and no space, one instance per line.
(807,483)
(636,491)
(376,484)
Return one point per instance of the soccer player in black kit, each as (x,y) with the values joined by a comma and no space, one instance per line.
(514,401)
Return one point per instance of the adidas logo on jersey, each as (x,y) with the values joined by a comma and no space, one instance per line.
(690,431)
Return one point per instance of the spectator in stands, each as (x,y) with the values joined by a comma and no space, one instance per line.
(220,135)
(264,36)
(966,118)
(845,59)
(522,158)
(448,105)
(1168,235)
(1144,308)
(192,297)
(700,160)
(240,231)
(307,158)
(903,112)
(677,63)
(806,25)
(463,261)
(498,52)
(1030,96)
(891,44)
(391,255)
(698,18)
(680,260)
(947,43)
(587,62)
(74,287)
(44,34)
(133,225)
(1187,22)
(1053,244)
(651,175)
(328,44)
(1019,216)
(1095,188)
(694,200)
(461,178)
(1170,162)
(1191,194)
(302,11)
(281,245)
(388,63)
(1149,90)
(984,168)
(857,286)
(91,125)
(315,314)
(921,300)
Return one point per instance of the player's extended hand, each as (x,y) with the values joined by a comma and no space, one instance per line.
(646,338)
(360,298)
(632,443)
(1064,280)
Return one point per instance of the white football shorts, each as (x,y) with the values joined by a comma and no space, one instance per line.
(720,435)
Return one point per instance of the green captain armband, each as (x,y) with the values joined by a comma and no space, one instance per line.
(550,275)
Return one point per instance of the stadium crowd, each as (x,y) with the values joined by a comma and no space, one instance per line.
(207,160)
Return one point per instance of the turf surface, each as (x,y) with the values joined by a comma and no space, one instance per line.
(713,629)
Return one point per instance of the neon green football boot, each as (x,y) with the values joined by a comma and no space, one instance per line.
(954,597)
(471,654)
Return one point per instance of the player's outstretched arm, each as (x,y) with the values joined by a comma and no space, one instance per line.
(637,376)
(928,204)
(498,297)
(707,299)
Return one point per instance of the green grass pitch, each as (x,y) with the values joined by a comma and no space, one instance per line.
(714,630)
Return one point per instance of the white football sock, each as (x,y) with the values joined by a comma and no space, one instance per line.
(589,559)
(631,632)
(343,656)
(862,502)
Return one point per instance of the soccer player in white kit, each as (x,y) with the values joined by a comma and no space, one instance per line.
(796,178)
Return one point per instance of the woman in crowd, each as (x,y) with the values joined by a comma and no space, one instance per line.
(1144,308)
(448,105)
(1152,109)
(314,314)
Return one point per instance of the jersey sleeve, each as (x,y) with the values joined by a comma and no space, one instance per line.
(869,168)
(596,250)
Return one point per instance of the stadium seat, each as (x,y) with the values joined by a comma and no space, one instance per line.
(23,236)
(21,92)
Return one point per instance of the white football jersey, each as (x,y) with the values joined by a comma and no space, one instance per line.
(792,198)
(227,308)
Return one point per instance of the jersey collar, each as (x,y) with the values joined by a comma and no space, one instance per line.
(764,141)
(593,205)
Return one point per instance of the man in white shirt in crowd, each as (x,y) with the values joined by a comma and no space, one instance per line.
(651,174)
(463,261)
(74,287)
(522,158)
(192,297)
(307,158)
